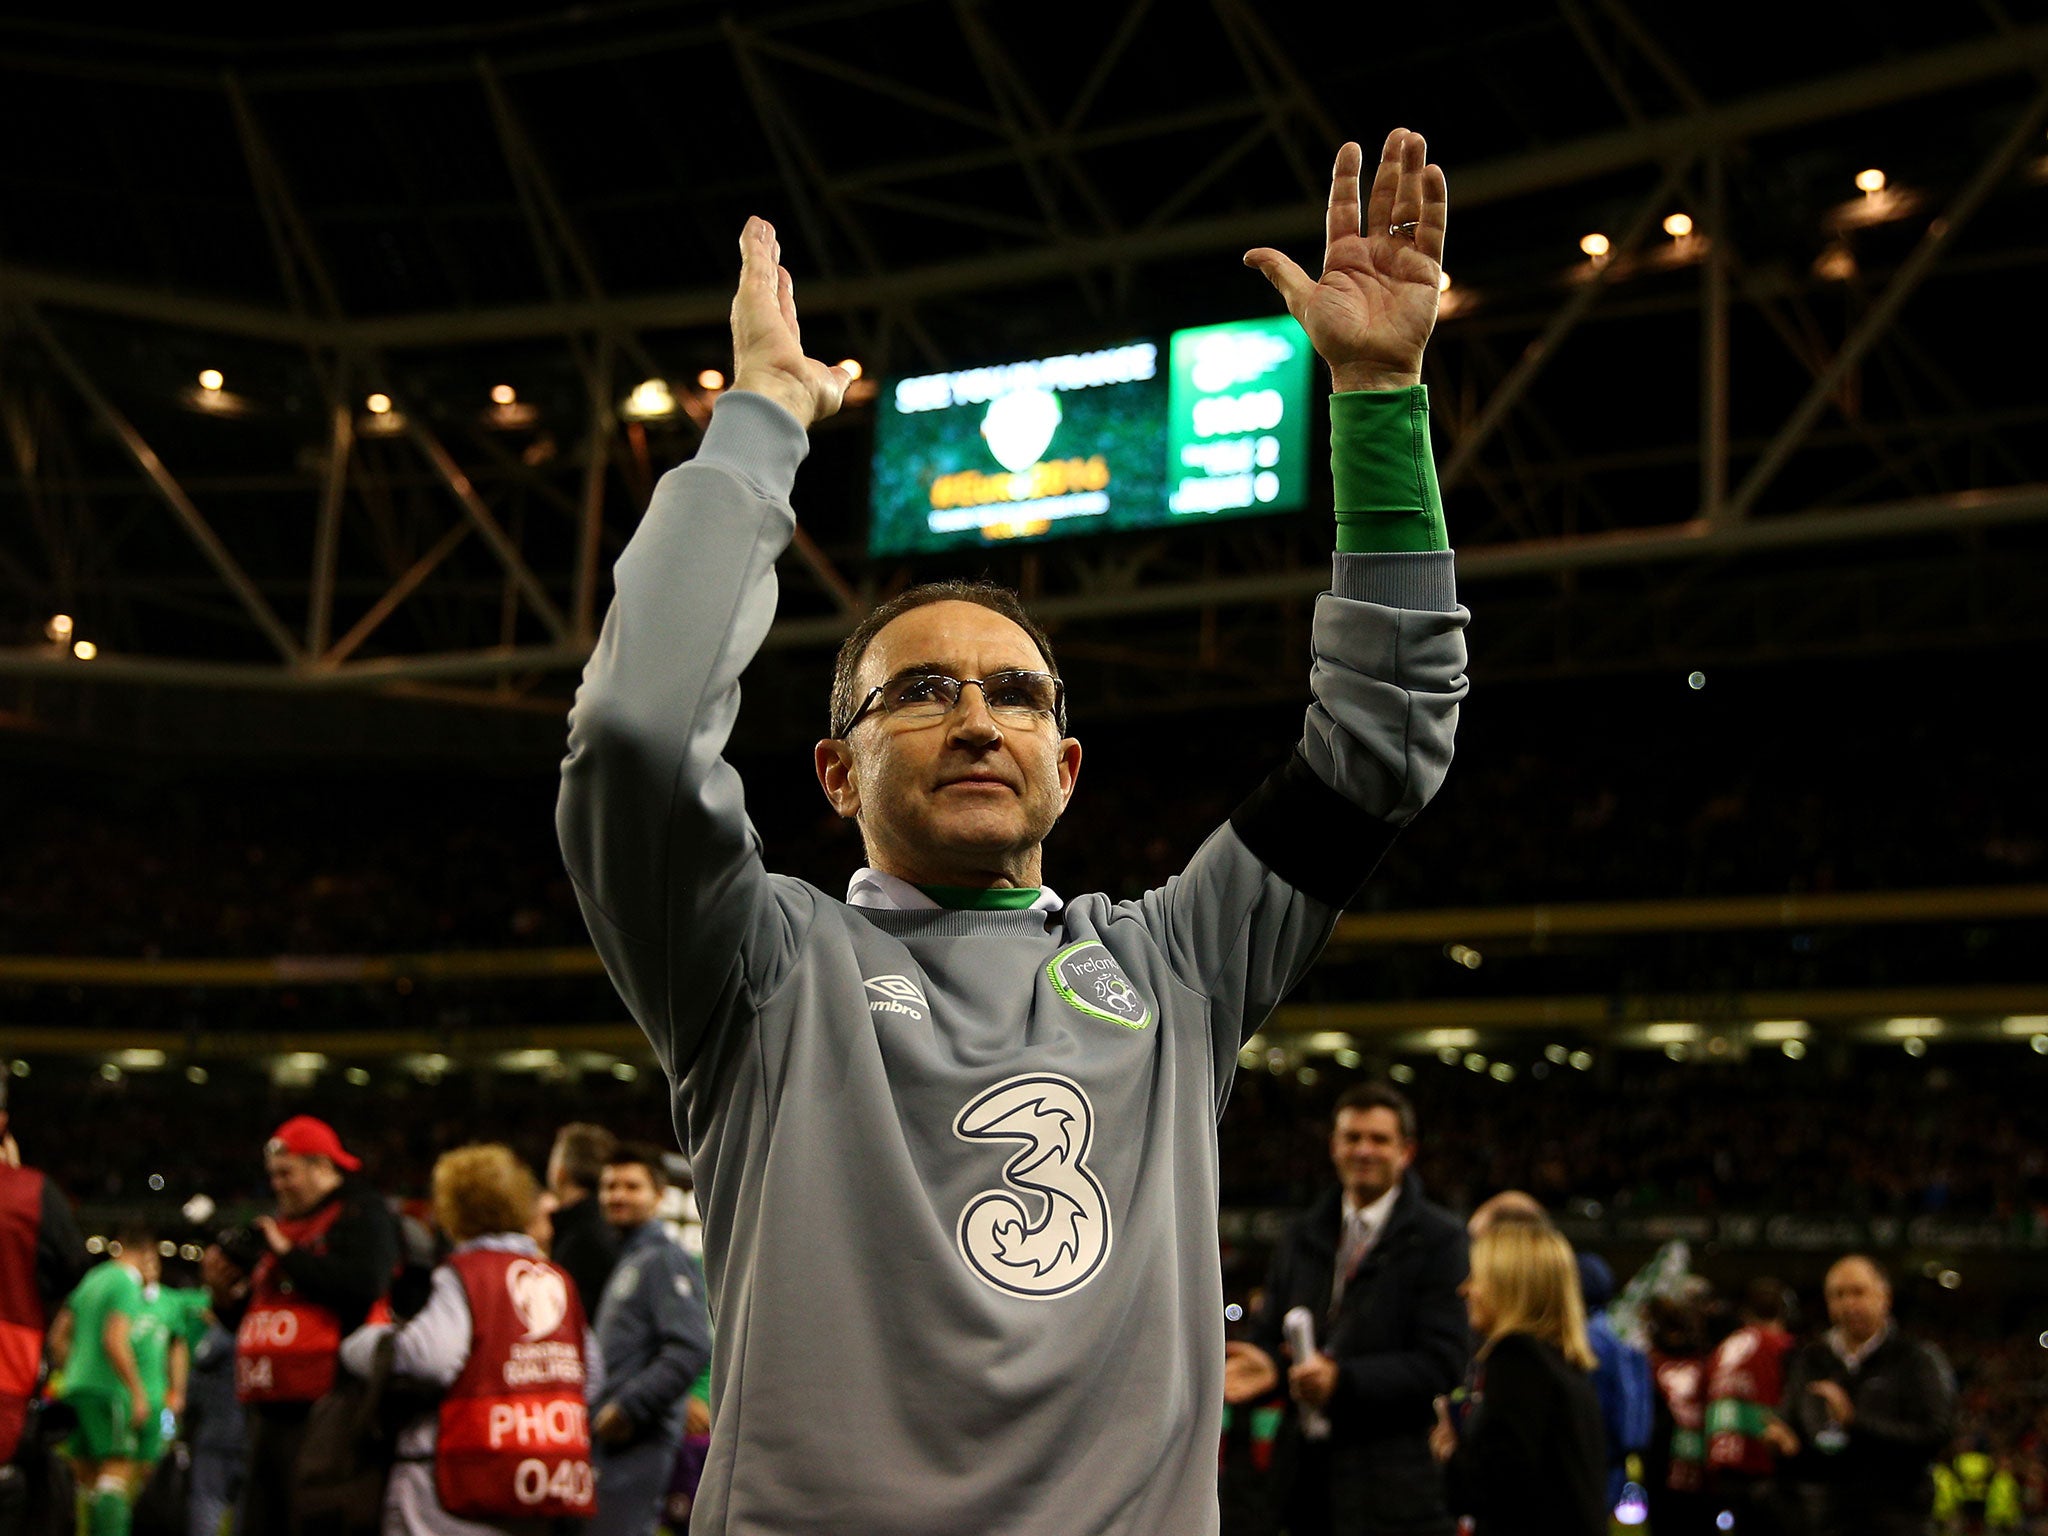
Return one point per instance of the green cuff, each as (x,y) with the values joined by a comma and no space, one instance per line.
(1384,474)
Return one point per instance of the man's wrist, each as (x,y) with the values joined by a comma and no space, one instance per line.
(784,391)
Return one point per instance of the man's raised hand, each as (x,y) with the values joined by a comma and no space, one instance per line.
(1371,314)
(767,348)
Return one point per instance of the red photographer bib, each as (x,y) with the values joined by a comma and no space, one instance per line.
(515,1433)
(286,1348)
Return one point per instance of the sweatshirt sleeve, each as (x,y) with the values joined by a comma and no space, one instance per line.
(652,821)
(1257,903)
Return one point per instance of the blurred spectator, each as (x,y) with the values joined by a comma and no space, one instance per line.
(42,1256)
(1530,1457)
(504,1355)
(1675,1471)
(215,1431)
(1866,1412)
(1745,1385)
(1378,1267)
(293,1286)
(1621,1378)
(586,1245)
(656,1338)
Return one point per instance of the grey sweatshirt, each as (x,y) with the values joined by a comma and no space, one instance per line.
(958,1169)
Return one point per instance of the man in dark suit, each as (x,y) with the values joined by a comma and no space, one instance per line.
(1378,1267)
(585,1245)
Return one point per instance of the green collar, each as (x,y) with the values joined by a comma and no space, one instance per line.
(975,898)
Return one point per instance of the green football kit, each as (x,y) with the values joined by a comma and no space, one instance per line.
(106,1430)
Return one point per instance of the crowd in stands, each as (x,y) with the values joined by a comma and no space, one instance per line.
(1879,1134)
(1591,792)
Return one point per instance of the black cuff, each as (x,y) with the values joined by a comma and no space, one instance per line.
(1311,836)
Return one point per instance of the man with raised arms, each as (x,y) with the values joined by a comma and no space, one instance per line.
(955,1135)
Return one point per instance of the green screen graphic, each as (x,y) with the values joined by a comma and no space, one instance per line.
(1237,419)
(1094,441)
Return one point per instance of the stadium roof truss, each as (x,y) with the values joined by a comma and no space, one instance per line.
(1659,452)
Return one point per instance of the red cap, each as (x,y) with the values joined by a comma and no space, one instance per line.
(305,1136)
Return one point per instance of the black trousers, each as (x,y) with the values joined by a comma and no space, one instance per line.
(276,1431)
(1387,1487)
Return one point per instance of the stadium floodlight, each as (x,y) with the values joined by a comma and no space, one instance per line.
(1325,1041)
(1678,225)
(1795,1050)
(504,394)
(196,1075)
(84,650)
(378,405)
(651,400)
(1443,282)
(1913,1029)
(1671,1033)
(1870,182)
(1780,1029)
(137,1059)
(2025,1024)
(60,626)
(1444,1039)
(711,379)
(212,380)
(1595,245)
(850,366)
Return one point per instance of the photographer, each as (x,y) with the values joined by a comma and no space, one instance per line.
(42,1255)
(292,1286)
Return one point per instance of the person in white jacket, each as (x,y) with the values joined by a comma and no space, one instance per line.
(503,1343)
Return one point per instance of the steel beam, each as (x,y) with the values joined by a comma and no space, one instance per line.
(501,544)
(327,533)
(166,486)
(1687,134)
(1539,352)
(1941,234)
(407,583)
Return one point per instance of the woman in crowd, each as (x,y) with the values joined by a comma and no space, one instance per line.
(503,1353)
(1530,1460)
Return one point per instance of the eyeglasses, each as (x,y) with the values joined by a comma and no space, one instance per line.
(1021,698)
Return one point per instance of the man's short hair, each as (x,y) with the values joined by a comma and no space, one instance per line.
(1378,1096)
(1764,1299)
(1884,1278)
(985,594)
(582,1148)
(646,1154)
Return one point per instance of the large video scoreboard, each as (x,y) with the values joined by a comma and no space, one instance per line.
(1215,424)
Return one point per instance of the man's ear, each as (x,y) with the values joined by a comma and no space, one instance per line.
(834,762)
(1070,769)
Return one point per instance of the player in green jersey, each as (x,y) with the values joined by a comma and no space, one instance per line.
(163,1354)
(104,1332)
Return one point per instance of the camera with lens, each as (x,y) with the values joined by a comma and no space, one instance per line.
(242,1246)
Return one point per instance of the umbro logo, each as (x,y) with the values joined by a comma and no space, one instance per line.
(896,994)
